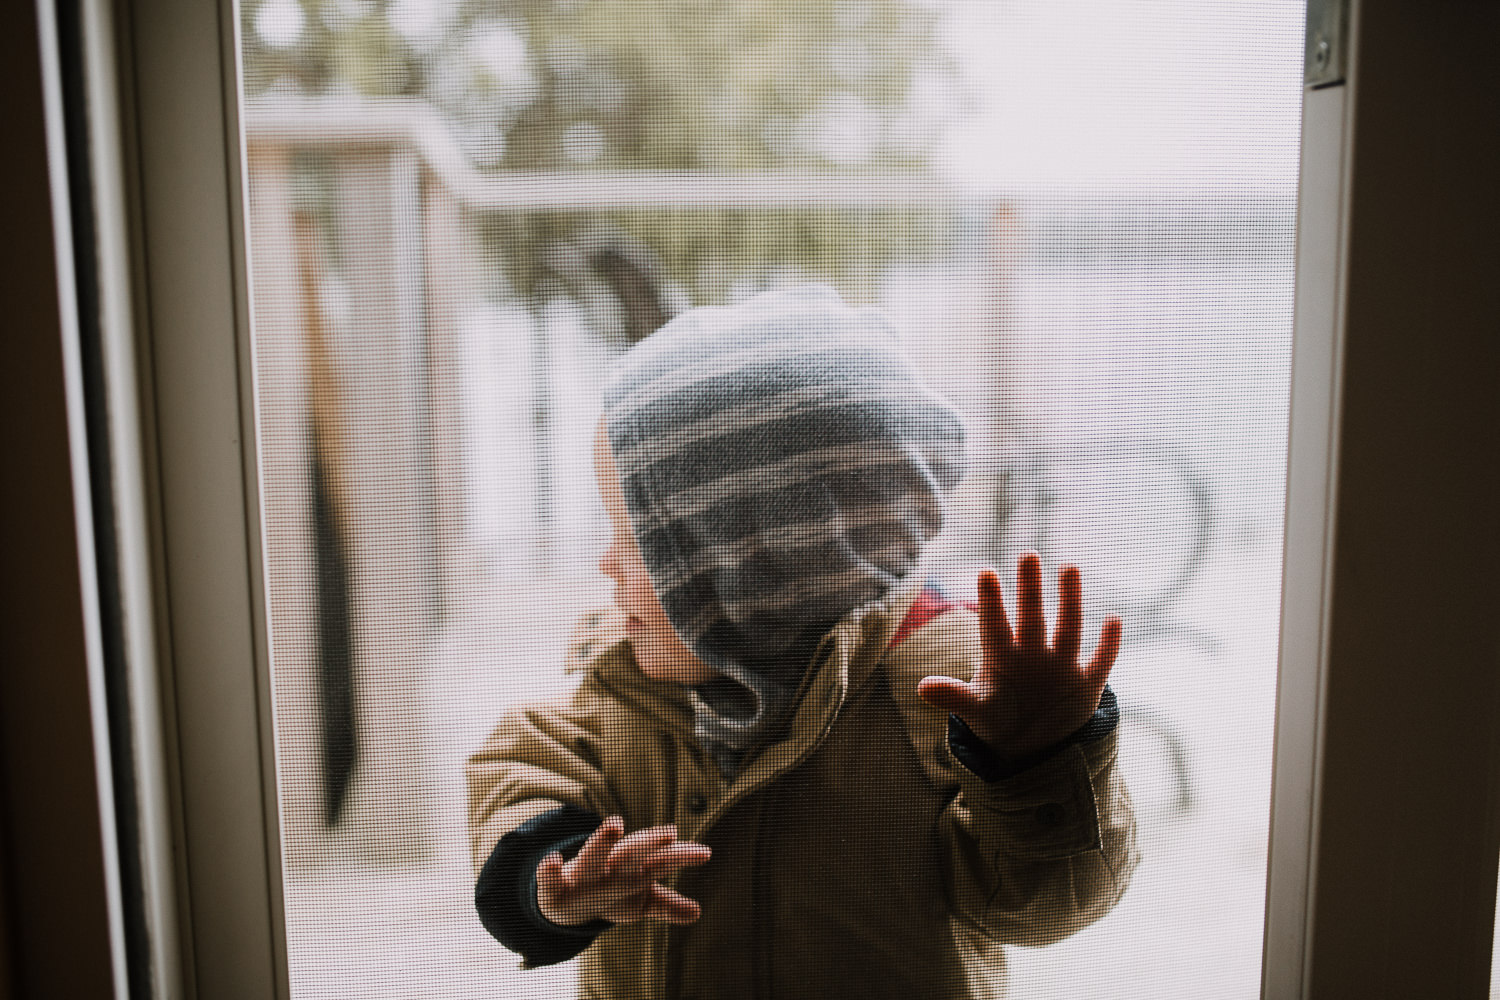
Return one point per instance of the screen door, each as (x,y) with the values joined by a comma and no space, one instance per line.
(1079,213)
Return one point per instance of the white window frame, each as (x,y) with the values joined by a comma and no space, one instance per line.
(1385,826)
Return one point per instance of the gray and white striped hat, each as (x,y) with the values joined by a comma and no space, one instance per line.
(782,464)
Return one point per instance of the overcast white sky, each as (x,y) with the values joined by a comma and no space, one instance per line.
(1127,92)
(1070,93)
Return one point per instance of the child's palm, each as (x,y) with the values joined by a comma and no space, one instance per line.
(1027,695)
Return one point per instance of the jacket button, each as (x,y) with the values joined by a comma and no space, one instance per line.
(1050,815)
(697,803)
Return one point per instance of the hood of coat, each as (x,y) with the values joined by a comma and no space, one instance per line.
(782,465)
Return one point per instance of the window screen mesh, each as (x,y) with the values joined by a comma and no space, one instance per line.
(1080,216)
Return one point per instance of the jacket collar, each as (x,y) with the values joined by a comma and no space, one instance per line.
(664,701)
(844,660)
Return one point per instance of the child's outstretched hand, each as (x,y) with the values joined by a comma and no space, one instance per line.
(616,877)
(1027,695)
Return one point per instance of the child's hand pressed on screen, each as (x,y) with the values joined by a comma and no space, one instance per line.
(1027,695)
(616,877)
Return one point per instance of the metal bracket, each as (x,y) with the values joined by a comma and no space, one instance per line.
(1327,29)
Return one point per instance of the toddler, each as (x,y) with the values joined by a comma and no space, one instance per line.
(793,769)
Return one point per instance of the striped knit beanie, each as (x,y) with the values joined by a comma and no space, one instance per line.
(782,464)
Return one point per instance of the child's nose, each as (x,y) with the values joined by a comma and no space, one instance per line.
(609,563)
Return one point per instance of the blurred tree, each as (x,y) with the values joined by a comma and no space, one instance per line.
(563,85)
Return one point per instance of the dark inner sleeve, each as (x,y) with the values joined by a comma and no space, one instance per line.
(505,895)
(974,754)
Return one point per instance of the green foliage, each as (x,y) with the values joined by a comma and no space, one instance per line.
(700,84)
(681,85)
(325,46)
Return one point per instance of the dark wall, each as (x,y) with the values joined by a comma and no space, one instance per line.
(54,937)
(1409,815)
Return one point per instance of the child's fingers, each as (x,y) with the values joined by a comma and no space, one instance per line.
(627,908)
(554,896)
(682,854)
(947,694)
(588,865)
(994,626)
(628,856)
(653,902)
(672,906)
(549,877)
(1104,656)
(1069,616)
(614,875)
(1031,622)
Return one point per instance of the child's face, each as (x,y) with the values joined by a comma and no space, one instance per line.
(659,652)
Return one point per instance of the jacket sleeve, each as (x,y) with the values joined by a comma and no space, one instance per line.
(540,756)
(533,787)
(1036,854)
(976,755)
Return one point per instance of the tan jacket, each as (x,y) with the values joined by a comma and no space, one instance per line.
(853,857)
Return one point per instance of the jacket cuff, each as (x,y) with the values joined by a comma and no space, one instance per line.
(1045,809)
(505,895)
(976,755)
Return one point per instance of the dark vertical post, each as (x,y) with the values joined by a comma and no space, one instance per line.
(336,694)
